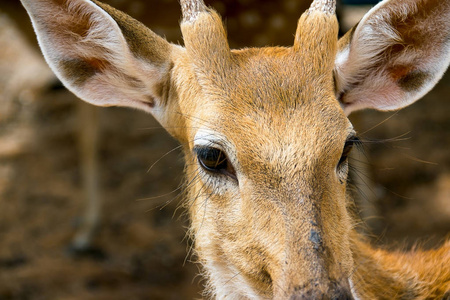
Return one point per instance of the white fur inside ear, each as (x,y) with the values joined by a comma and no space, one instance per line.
(103,32)
(80,30)
(370,74)
(86,49)
(342,57)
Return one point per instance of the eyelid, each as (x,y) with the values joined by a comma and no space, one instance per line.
(210,141)
(208,138)
(205,146)
(352,134)
(352,140)
(205,150)
(356,141)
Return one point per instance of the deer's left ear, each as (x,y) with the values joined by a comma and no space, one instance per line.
(394,56)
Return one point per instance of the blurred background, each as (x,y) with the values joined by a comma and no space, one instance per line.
(139,251)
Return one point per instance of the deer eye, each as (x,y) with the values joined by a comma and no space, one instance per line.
(348,146)
(346,151)
(214,160)
(342,166)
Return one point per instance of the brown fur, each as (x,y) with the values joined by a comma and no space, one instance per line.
(401,275)
(279,227)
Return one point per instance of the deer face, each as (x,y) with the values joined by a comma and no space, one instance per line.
(267,186)
(265,131)
(267,166)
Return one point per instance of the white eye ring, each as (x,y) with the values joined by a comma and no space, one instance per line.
(207,138)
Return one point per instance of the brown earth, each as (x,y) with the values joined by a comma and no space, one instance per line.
(140,250)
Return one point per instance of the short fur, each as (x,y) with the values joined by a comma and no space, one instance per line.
(279,227)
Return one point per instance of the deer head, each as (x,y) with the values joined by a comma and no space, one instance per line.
(265,131)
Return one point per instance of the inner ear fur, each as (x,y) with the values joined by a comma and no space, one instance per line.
(395,55)
(102,55)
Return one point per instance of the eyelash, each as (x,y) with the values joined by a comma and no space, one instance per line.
(348,146)
(342,166)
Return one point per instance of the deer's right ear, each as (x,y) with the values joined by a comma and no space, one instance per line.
(394,56)
(102,55)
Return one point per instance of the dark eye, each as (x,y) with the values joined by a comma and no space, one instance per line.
(347,149)
(215,161)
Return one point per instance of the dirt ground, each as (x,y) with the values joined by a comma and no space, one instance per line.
(140,247)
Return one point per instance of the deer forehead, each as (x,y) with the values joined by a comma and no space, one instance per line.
(268,74)
(266,111)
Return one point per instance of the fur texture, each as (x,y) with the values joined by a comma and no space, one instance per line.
(273,221)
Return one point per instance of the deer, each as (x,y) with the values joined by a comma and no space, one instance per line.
(265,134)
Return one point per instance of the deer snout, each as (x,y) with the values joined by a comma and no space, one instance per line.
(330,291)
(318,283)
